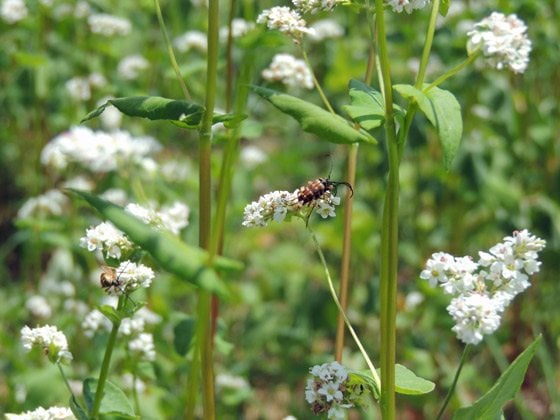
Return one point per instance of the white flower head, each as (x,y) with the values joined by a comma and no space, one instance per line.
(271,206)
(475,315)
(407,5)
(38,306)
(285,20)
(12,11)
(50,340)
(51,203)
(325,29)
(40,413)
(131,66)
(143,347)
(503,41)
(172,218)
(106,238)
(108,25)
(287,69)
(239,27)
(95,321)
(191,40)
(314,6)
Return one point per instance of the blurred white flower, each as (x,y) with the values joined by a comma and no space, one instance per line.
(252,156)
(226,380)
(324,29)
(38,306)
(132,276)
(106,238)
(407,5)
(143,347)
(82,9)
(95,321)
(79,88)
(239,27)
(51,203)
(314,6)
(175,170)
(172,218)
(131,326)
(115,196)
(49,339)
(40,413)
(108,25)
(130,67)
(287,69)
(503,41)
(13,11)
(191,40)
(79,182)
(285,20)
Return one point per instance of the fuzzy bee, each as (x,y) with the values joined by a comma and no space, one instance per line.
(316,189)
(109,280)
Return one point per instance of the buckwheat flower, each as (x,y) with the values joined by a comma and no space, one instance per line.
(79,182)
(325,29)
(79,88)
(407,5)
(239,27)
(51,203)
(172,218)
(115,196)
(131,381)
(131,326)
(191,40)
(437,268)
(503,41)
(50,340)
(475,315)
(95,321)
(108,25)
(130,67)
(314,6)
(325,206)
(12,11)
(252,156)
(82,9)
(132,276)
(38,306)
(40,413)
(226,380)
(285,20)
(287,69)
(272,206)
(107,239)
(143,347)
(175,170)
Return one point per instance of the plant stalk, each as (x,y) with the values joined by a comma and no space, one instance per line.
(464,356)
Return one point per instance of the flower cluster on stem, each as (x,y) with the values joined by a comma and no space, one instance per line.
(52,341)
(482,290)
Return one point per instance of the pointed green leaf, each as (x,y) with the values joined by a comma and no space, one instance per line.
(114,400)
(406,382)
(444,112)
(490,405)
(444,7)
(314,119)
(110,312)
(77,409)
(367,107)
(188,262)
(183,333)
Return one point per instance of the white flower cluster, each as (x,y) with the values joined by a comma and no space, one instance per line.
(172,218)
(131,276)
(314,6)
(325,29)
(51,341)
(482,290)
(277,205)
(287,69)
(51,203)
(328,390)
(12,11)
(191,40)
(106,238)
(131,66)
(143,347)
(108,25)
(239,27)
(40,413)
(503,41)
(38,306)
(285,20)
(79,88)
(98,151)
(407,5)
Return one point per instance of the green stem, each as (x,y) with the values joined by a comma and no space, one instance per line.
(389,233)
(341,311)
(316,82)
(106,361)
(464,356)
(170,52)
(453,71)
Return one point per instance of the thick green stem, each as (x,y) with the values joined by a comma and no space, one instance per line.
(106,362)
(389,233)
(464,356)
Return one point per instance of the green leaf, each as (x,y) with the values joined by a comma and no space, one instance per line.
(188,262)
(490,406)
(114,401)
(110,312)
(183,334)
(77,409)
(406,382)
(314,119)
(444,112)
(154,108)
(444,7)
(367,107)
(365,378)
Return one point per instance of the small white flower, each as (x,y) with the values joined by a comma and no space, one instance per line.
(143,347)
(108,25)
(132,276)
(503,41)
(407,5)
(172,218)
(130,67)
(225,380)
(38,306)
(12,11)
(252,156)
(475,315)
(239,27)
(95,321)
(51,203)
(52,341)
(106,238)
(271,206)
(287,69)
(191,40)
(40,413)
(79,88)
(325,29)
(314,6)
(285,20)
